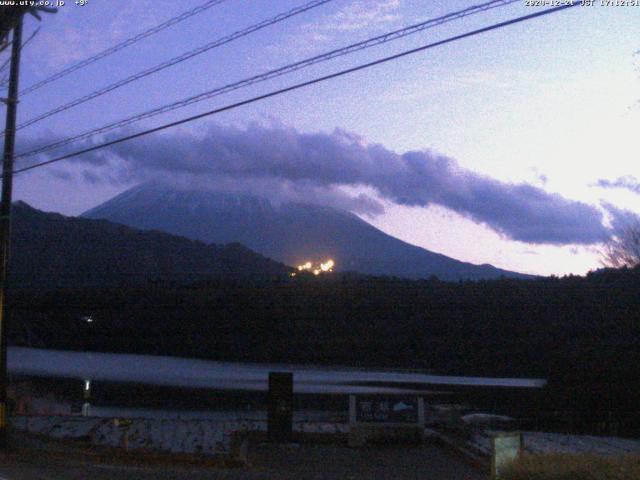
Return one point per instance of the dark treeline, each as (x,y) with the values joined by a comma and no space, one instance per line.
(582,333)
(50,250)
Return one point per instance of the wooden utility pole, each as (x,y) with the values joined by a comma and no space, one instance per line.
(10,19)
(5,216)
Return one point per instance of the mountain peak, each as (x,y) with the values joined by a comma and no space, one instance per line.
(292,233)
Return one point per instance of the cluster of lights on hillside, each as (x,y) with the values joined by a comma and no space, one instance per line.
(317,268)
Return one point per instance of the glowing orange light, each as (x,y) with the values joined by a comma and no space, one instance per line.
(327,266)
(318,268)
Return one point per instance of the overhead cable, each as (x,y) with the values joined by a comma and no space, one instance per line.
(300,85)
(174,61)
(378,40)
(122,45)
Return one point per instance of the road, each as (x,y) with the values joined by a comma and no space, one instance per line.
(267,462)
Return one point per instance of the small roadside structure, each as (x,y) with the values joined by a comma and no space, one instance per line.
(506,449)
(385,419)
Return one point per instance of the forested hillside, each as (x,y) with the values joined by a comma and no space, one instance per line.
(503,326)
(51,250)
(581,333)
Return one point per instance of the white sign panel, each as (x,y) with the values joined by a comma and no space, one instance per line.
(507,447)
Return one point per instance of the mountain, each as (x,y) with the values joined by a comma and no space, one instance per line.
(50,250)
(292,233)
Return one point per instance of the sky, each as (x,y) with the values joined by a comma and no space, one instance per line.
(517,147)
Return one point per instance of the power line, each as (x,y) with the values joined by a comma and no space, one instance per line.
(301,85)
(378,40)
(2,68)
(176,60)
(5,45)
(122,45)
(8,61)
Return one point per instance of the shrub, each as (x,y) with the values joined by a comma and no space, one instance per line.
(573,467)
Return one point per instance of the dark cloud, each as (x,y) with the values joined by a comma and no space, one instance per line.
(279,190)
(620,218)
(628,183)
(283,163)
(61,174)
(92,177)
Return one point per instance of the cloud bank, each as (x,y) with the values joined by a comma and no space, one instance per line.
(340,169)
(629,182)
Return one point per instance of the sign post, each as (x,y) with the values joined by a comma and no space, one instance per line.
(280,406)
(86,396)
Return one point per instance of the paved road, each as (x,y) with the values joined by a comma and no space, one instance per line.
(268,462)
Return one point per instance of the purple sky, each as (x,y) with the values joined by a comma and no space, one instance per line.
(517,148)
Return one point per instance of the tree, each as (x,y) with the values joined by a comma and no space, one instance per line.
(623,248)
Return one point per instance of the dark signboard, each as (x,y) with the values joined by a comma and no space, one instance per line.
(280,406)
(386,409)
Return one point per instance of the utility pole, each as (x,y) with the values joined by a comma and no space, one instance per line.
(5,216)
(10,19)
